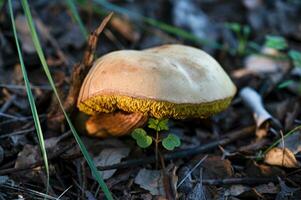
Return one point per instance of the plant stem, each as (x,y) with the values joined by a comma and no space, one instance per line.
(156,148)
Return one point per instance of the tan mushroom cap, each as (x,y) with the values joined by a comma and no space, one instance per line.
(166,81)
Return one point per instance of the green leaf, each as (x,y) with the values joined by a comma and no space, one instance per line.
(153,123)
(285,84)
(142,139)
(158,125)
(296,57)
(163,125)
(171,141)
(72,7)
(275,42)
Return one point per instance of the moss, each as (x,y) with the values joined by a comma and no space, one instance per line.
(157,109)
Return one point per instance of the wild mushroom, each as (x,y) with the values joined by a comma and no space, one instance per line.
(169,81)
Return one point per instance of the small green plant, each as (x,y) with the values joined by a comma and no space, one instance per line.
(242,33)
(275,42)
(144,140)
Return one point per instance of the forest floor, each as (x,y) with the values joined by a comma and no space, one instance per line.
(249,151)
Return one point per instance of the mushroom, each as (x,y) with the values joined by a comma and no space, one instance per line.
(169,81)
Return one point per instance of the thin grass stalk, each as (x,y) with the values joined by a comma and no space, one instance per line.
(82,147)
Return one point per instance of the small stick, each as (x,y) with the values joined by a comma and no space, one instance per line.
(243,181)
(80,70)
(8,103)
(79,73)
(189,173)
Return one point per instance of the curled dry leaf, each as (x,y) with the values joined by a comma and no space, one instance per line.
(28,156)
(150,180)
(281,157)
(110,156)
(264,65)
(236,190)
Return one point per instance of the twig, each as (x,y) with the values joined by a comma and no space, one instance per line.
(243,181)
(188,174)
(8,103)
(80,70)
(17,132)
(231,137)
(22,87)
(79,73)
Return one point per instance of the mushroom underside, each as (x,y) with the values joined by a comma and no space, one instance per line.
(151,107)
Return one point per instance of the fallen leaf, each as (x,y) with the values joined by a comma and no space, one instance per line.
(281,157)
(150,180)
(110,156)
(3,179)
(269,188)
(236,190)
(31,154)
(222,168)
(264,65)
(285,191)
(199,192)
(28,156)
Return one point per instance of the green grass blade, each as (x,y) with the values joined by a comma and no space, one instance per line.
(30,98)
(83,149)
(291,132)
(76,17)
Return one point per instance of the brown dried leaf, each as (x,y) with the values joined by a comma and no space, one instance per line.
(281,157)
(222,168)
